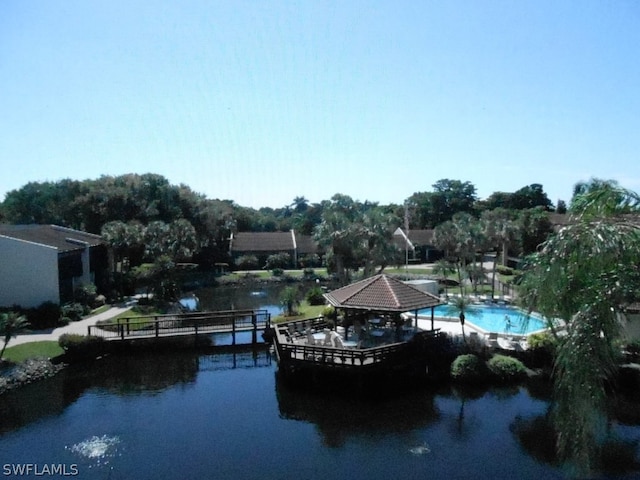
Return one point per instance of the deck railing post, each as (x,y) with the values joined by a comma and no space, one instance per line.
(89,330)
(157,326)
(121,330)
(128,327)
(233,329)
(254,332)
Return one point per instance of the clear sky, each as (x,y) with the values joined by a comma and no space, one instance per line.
(263,101)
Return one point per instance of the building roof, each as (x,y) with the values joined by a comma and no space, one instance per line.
(61,238)
(421,237)
(381,293)
(262,242)
(306,244)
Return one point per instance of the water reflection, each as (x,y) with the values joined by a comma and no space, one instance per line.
(339,417)
(122,375)
(617,450)
(30,403)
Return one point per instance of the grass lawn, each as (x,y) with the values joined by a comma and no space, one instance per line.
(267,274)
(411,271)
(304,311)
(136,316)
(20,353)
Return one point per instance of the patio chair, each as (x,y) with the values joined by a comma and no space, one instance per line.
(310,339)
(493,339)
(506,344)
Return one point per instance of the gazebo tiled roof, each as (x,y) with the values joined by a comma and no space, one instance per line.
(381,293)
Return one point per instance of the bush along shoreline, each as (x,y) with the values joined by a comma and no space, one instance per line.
(29,371)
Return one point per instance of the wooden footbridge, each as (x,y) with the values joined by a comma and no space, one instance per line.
(231,322)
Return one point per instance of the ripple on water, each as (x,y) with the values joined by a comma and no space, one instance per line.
(420,449)
(98,450)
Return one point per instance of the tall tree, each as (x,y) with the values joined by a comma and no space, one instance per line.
(585,275)
(531,196)
(340,234)
(533,227)
(458,238)
(500,231)
(429,209)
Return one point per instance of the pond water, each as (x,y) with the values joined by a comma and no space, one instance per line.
(257,297)
(229,416)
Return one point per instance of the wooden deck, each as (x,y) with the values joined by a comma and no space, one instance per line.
(196,323)
(294,353)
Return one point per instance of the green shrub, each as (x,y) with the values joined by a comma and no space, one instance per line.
(310,260)
(308,273)
(277,272)
(278,260)
(468,368)
(506,369)
(329,312)
(73,311)
(247,262)
(85,294)
(542,341)
(75,344)
(314,296)
(46,315)
(502,270)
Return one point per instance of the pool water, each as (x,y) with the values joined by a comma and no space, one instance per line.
(495,318)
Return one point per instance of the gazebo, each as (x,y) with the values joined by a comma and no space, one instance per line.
(381,295)
(409,355)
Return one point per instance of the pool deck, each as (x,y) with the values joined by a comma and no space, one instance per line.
(452,327)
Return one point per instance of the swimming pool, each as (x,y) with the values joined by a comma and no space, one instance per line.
(494,318)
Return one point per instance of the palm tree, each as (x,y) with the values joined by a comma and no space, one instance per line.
(460,306)
(290,299)
(500,230)
(585,275)
(11,324)
(442,268)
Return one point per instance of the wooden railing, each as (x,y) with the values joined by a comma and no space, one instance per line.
(229,321)
(339,356)
(288,350)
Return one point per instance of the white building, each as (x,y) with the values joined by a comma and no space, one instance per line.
(46,263)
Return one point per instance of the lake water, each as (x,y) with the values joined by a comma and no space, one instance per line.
(228,416)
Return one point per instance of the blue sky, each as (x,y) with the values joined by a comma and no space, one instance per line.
(263,101)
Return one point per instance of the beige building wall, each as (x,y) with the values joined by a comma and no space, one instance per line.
(28,273)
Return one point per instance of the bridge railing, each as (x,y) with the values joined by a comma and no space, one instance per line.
(229,321)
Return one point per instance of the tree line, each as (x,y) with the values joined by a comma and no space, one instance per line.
(145,216)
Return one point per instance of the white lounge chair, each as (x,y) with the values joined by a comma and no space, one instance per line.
(506,344)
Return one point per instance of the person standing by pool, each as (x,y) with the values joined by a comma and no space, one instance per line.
(507,324)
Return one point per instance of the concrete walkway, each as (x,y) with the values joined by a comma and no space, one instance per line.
(79,327)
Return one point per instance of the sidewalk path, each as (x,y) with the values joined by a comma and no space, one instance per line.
(79,327)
